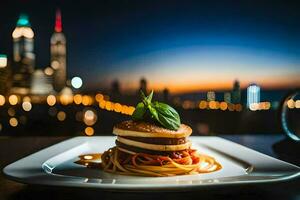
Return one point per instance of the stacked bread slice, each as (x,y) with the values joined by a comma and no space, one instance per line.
(144,137)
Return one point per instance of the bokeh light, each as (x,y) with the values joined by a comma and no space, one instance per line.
(61,115)
(13,99)
(26,105)
(297,104)
(89,117)
(87,100)
(291,104)
(203,104)
(66,96)
(49,71)
(13,122)
(99,97)
(51,100)
(89,131)
(77,99)
(223,105)
(2,100)
(76,82)
(117,107)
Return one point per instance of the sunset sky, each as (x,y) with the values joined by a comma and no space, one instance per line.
(181,45)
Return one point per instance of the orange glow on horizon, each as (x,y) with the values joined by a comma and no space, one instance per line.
(176,87)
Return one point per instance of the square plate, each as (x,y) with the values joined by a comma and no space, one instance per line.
(55,166)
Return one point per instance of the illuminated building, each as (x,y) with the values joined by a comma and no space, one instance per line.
(253,95)
(3,61)
(211,96)
(41,84)
(236,93)
(23,56)
(4,74)
(227,97)
(58,54)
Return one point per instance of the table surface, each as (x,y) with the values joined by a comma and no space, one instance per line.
(14,148)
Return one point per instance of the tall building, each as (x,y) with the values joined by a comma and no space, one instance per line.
(143,86)
(23,56)
(40,84)
(4,75)
(253,95)
(58,54)
(236,92)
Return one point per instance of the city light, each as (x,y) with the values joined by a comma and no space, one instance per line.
(89,131)
(203,104)
(99,97)
(77,99)
(238,107)
(55,64)
(297,104)
(102,104)
(51,100)
(13,99)
(2,100)
(291,104)
(48,71)
(254,106)
(117,107)
(89,117)
(26,105)
(223,105)
(26,98)
(13,122)
(66,96)
(87,100)
(3,61)
(76,82)
(23,32)
(230,107)
(61,116)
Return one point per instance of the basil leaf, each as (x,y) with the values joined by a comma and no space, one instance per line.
(153,112)
(147,100)
(160,112)
(149,97)
(139,111)
(167,116)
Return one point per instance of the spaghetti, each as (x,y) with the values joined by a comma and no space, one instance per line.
(121,161)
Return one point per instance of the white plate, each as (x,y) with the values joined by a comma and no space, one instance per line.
(55,166)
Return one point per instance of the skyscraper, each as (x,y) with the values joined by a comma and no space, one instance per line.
(4,74)
(253,95)
(143,86)
(58,54)
(236,92)
(23,56)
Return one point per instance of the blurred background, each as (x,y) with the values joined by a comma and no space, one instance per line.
(70,68)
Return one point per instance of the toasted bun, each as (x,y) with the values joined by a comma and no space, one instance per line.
(145,129)
(154,147)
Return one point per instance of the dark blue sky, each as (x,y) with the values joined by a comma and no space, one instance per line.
(184,45)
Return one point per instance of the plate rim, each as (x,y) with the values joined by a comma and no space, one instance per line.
(57,180)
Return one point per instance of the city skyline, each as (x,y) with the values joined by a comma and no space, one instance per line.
(195,49)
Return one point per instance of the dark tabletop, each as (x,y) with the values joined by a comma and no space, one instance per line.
(14,148)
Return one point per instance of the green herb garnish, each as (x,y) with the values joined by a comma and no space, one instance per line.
(161,112)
